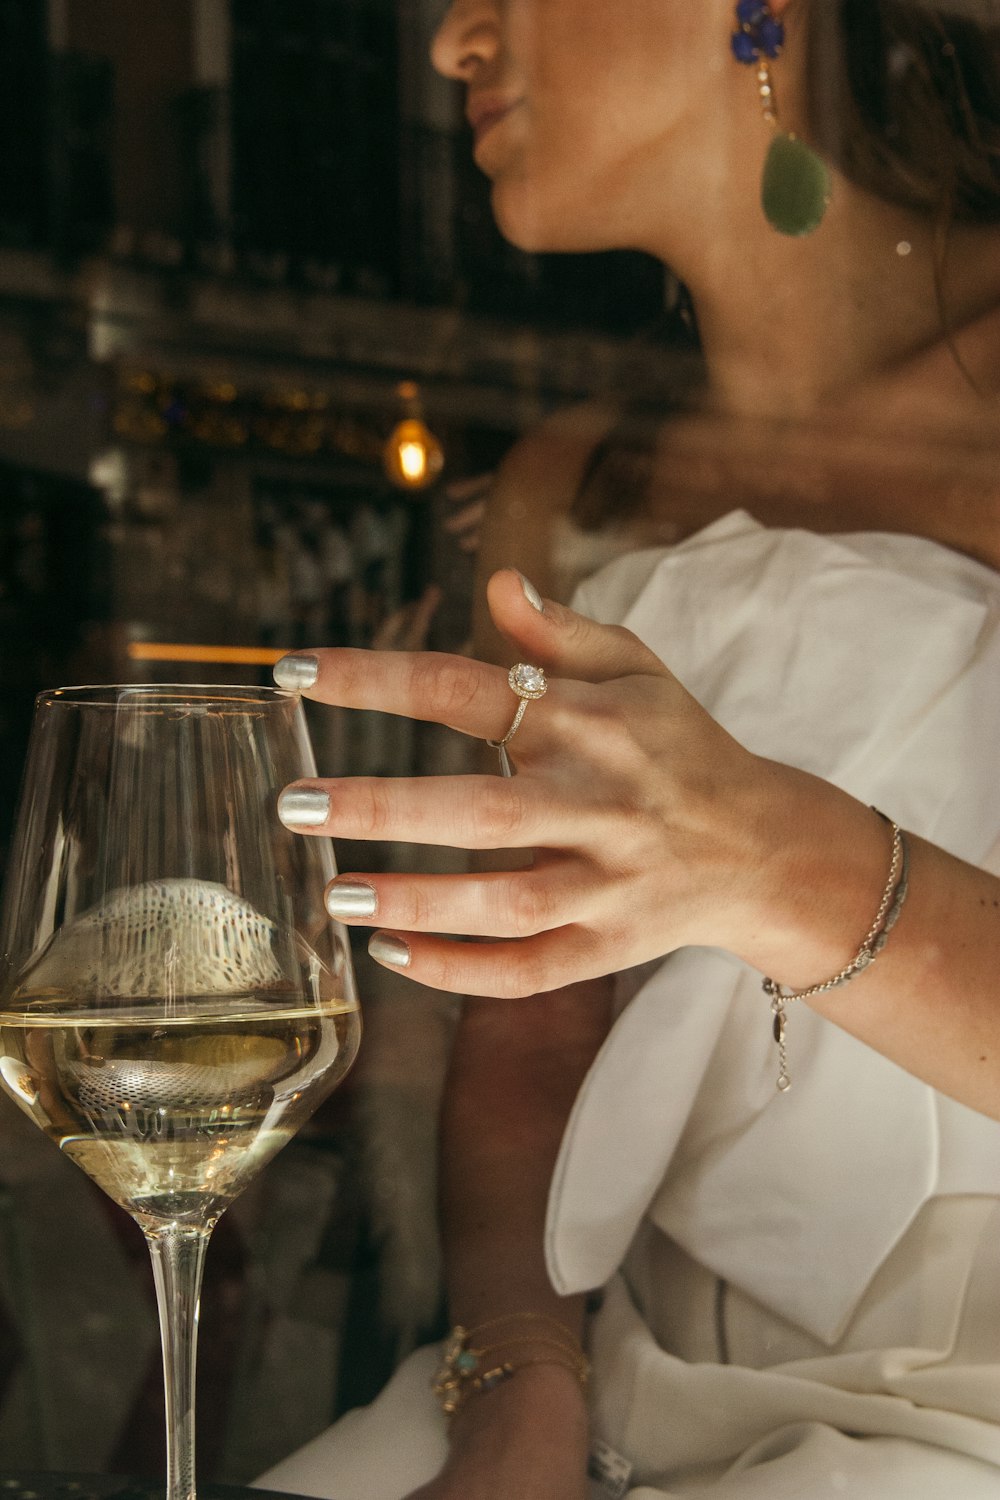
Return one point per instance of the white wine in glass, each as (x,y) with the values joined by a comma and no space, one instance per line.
(174,999)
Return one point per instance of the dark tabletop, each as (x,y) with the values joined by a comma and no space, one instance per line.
(28,1485)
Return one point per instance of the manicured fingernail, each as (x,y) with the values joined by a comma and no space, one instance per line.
(532,595)
(296,672)
(351,898)
(303,807)
(386,949)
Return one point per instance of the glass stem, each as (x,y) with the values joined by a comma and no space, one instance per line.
(178,1257)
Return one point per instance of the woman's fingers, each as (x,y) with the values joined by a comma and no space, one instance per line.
(500,903)
(505,971)
(470,530)
(461,491)
(462,812)
(560,640)
(470,516)
(440,688)
(407,627)
(465,694)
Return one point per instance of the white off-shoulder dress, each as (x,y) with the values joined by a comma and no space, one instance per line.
(802,1291)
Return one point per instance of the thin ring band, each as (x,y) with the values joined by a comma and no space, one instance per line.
(528,683)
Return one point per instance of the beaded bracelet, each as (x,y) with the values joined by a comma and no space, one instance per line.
(466,1370)
(893,896)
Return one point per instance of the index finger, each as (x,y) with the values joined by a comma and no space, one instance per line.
(458,691)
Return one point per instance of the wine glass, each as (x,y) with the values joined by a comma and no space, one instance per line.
(174,999)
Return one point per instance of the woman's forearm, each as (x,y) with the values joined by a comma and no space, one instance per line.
(930,1000)
(515,1071)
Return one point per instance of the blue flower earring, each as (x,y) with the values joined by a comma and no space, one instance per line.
(795,188)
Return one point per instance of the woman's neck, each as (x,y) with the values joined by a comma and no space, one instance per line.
(840,393)
(788,326)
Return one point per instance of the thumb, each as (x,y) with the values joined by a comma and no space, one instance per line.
(565,643)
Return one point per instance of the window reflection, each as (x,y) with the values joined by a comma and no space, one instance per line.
(231,231)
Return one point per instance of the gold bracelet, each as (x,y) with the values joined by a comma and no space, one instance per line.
(893,896)
(525,1317)
(465,1369)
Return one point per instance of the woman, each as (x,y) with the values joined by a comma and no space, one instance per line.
(798,1286)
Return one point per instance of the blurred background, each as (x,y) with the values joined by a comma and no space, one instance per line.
(241,242)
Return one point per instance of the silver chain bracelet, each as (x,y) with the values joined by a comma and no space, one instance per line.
(874,941)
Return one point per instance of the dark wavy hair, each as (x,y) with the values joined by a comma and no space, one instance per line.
(905,100)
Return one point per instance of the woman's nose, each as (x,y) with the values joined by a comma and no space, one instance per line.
(467,38)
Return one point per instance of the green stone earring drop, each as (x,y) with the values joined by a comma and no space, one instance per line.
(795,188)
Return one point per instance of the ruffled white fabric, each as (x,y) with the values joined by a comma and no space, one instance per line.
(873,661)
(840,1234)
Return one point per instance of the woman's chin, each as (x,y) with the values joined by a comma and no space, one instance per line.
(531,224)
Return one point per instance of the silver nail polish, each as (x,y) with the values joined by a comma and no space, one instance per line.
(386,949)
(303,807)
(351,898)
(296,672)
(532,595)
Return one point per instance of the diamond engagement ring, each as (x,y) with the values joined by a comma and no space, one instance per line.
(527,682)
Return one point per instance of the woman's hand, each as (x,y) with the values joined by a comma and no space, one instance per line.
(643,815)
(525,1440)
(645,827)
(470,498)
(407,628)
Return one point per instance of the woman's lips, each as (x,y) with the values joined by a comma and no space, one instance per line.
(483,113)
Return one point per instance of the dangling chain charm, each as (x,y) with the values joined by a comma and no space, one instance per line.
(784,1083)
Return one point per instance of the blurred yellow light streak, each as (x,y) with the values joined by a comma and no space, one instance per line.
(248,656)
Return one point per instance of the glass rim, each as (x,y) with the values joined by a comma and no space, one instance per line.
(116,695)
